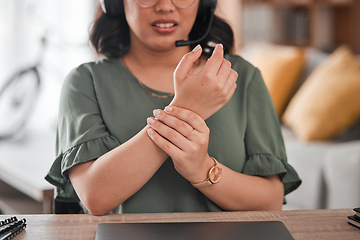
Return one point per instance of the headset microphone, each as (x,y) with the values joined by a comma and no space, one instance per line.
(114,9)
(181,43)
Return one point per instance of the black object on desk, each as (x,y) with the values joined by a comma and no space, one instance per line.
(270,230)
(11,227)
(355,219)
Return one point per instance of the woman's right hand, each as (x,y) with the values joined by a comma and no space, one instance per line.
(207,90)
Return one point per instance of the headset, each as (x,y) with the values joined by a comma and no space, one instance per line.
(115,9)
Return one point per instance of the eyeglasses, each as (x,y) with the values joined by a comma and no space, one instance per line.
(177,3)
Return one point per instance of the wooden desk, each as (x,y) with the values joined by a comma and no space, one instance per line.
(303,225)
(24,164)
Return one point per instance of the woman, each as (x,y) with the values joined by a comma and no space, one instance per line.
(213,142)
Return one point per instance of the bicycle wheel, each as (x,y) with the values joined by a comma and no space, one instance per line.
(17,100)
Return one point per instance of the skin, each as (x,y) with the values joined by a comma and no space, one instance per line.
(184,136)
(180,131)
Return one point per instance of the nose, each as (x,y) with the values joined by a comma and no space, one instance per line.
(164,6)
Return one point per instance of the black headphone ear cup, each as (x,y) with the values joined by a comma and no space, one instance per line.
(205,8)
(113,8)
(213,4)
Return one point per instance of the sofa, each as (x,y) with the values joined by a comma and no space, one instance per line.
(329,171)
(309,105)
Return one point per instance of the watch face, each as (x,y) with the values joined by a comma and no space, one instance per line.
(215,174)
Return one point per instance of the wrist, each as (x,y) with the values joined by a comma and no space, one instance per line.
(213,175)
(175,102)
(178,103)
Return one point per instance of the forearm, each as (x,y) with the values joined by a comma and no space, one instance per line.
(183,135)
(236,191)
(105,183)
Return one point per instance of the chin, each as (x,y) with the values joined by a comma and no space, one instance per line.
(164,45)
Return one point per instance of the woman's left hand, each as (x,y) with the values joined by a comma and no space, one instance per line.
(184,136)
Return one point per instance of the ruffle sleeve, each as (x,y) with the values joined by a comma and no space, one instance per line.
(84,152)
(266,154)
(82,134)
(267,164)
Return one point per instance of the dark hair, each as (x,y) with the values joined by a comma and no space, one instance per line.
(111,37)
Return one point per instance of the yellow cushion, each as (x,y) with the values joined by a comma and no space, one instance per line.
(280,67)
(328,102)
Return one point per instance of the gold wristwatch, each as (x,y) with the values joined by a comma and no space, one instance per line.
(214,176)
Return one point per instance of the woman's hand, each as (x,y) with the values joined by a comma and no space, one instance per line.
(207,90)
(184,136)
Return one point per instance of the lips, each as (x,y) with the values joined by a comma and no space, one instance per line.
(164,26)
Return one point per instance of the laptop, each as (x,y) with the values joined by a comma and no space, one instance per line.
(269,230)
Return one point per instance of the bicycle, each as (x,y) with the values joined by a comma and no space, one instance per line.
(17,99)
(19,94)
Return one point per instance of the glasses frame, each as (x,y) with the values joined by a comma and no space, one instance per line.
(156,1)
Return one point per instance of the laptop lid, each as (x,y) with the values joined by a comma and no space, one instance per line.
(270,230)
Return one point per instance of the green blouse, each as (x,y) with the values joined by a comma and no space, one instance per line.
(103,105)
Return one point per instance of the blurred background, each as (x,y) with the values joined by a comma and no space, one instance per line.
(64,25)
(53,36)
(50,37)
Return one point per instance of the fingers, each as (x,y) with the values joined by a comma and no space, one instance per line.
(190,117)
(224,70)
(171,136)
(180,128)
(168,147)
(178,120)
(226,76)
(221,67)
(185,65)
(230,84)
(215,61)
(167,138)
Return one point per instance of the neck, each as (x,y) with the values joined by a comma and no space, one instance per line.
(152,67)
(152,58)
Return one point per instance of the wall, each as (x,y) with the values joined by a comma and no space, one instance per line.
(230,10)
(22,25)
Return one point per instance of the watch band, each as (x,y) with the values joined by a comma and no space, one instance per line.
(216,169)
